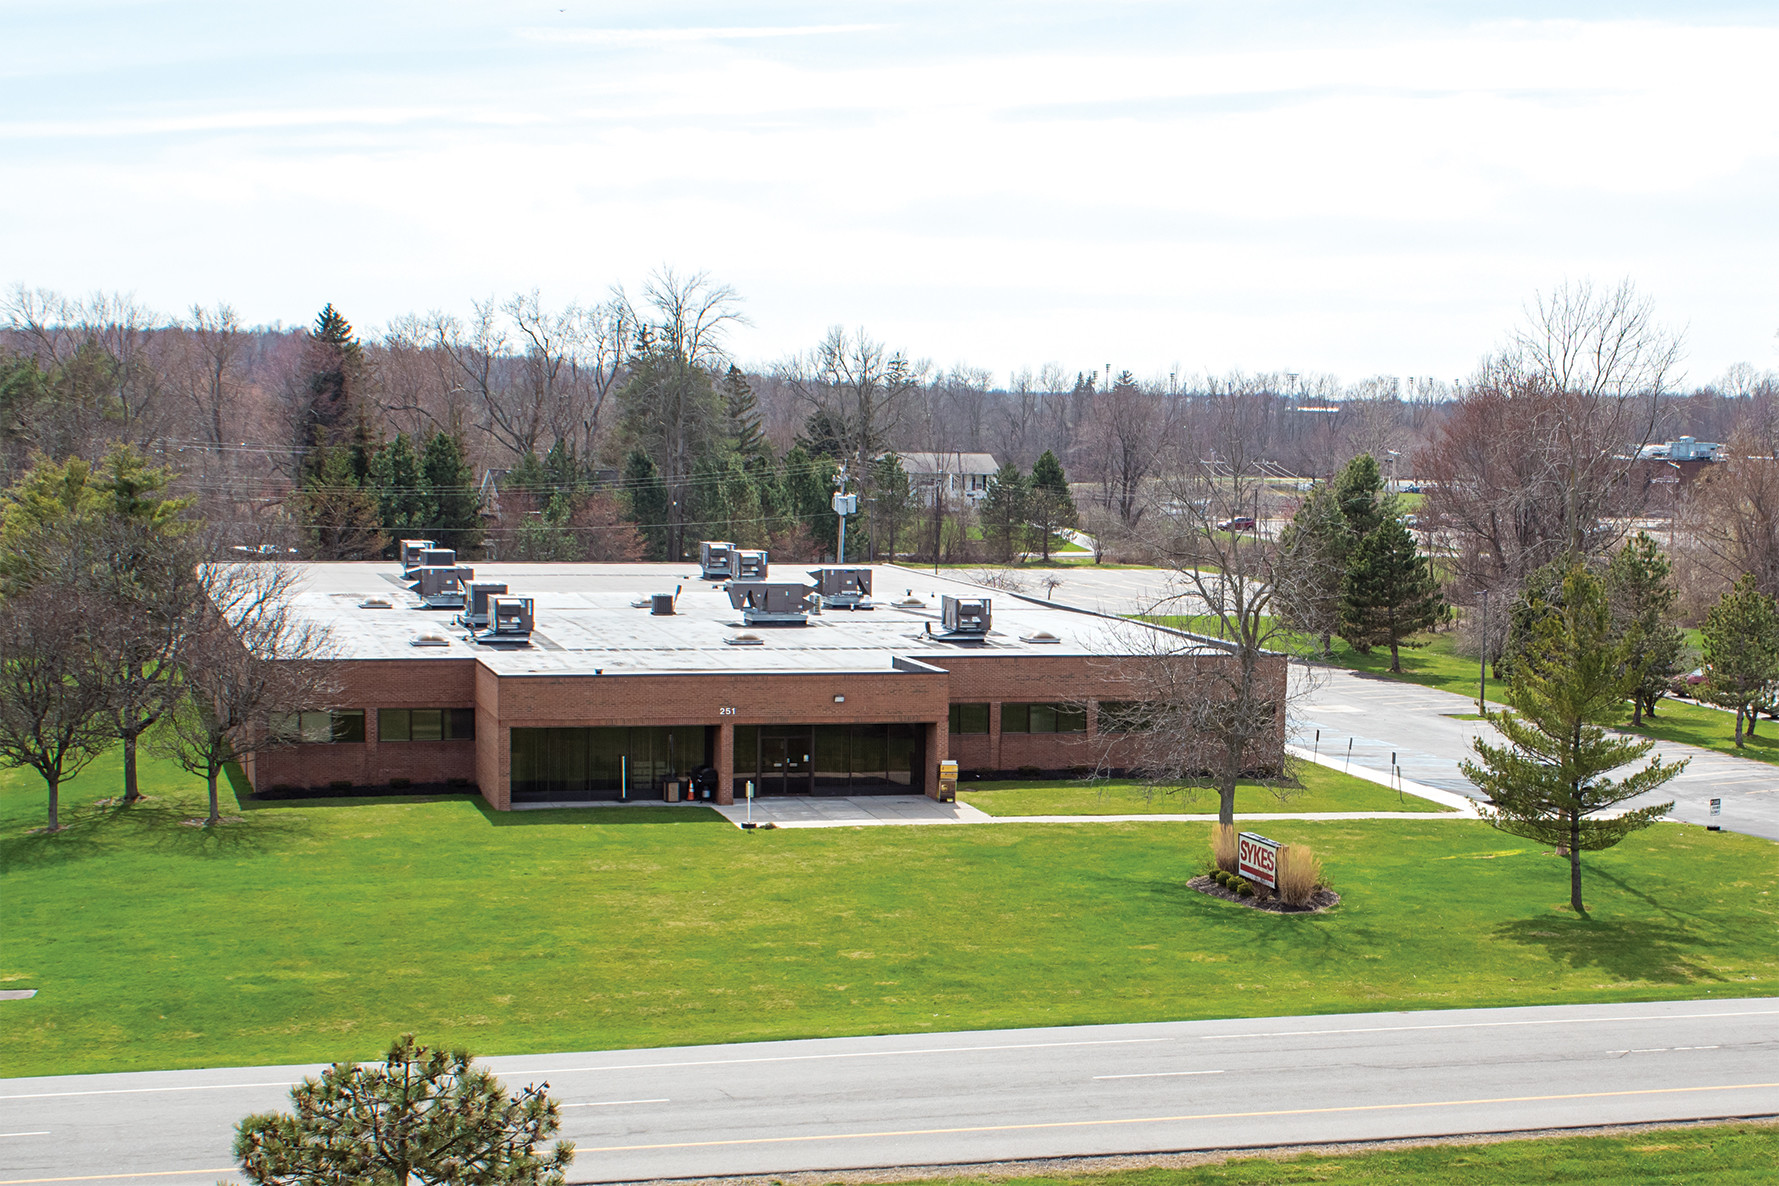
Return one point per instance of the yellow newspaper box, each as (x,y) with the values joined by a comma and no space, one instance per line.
(948,782)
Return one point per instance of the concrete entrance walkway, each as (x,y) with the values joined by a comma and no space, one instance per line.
(855,812)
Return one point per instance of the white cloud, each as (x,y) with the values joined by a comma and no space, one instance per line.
(1383,203)
(679,36)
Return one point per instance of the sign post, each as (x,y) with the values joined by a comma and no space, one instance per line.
(750,802)
(1257,859)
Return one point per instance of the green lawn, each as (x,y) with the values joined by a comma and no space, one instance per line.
(1718,1155)
(1319,789)
(319,930)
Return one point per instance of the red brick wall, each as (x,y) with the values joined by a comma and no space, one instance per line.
(503,702)
(369,685)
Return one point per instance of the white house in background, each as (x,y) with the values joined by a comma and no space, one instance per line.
(963,476)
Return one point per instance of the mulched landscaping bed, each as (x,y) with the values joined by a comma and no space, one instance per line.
(1322,899)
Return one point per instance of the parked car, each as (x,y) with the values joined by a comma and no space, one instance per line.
(1239,523)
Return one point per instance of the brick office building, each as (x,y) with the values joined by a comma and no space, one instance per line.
(610,699)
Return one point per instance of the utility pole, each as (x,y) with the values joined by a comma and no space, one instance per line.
(844,505)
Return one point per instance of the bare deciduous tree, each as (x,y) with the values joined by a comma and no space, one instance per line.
(54,686)
(254,655)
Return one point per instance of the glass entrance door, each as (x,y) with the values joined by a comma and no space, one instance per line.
(784,762)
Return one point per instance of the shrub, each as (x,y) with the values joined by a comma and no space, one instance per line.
(1221,877)
(1029,772)
(1223,846)
(1245,889)
(1300,872)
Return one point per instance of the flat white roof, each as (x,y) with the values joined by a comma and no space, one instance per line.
(585,622)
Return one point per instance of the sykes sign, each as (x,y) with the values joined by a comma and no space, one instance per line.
(1257,859)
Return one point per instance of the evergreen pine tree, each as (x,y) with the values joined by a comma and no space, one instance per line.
(646,494)
(335,366)
(1642,603)
(339,514)
(403,509)
(1550,782)
(1359,489)
(892,505)
(1052,507)
(809,481)
(1004,513)
(1389,592)
(1741,643)
(455,504)
(744,416)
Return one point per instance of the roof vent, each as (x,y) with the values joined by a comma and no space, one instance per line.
(376,603)
(429,639)
(1041,637)
(745,640)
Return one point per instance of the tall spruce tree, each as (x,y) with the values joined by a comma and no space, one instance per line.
(892,506)
(1359,490)
(1389,592)
(743,409)
(1551,781)
(1741,644)
(1642,615)
(646,496)
(404,510)
(1051,507)
(1006,511)
(454,504)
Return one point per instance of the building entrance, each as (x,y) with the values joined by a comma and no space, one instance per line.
(784,767)
(852,759)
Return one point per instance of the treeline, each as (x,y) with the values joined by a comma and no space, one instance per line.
(625,427)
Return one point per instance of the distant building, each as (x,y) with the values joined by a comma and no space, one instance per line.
(1684,449)
(959,475)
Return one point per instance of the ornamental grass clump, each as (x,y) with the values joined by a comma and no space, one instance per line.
(1299,874)
(1223,846)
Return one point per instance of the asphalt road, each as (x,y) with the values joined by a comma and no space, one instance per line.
(994,1095)
(1383,716)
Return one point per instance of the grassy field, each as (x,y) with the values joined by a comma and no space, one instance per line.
(1319,789)
(317,930)
(1721,1155)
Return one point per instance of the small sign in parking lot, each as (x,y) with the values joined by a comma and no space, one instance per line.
(1257,859)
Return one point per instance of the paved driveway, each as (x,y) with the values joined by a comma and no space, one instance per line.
(1379,716)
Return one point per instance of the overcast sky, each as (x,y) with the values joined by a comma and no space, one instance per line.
(1201,186)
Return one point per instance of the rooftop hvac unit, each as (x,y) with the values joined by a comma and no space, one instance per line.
(746,565)
(713,559)
(475,615)
(441,587)
(509,621)
(964,615)
(764,603)
(410,554)
(843,588)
